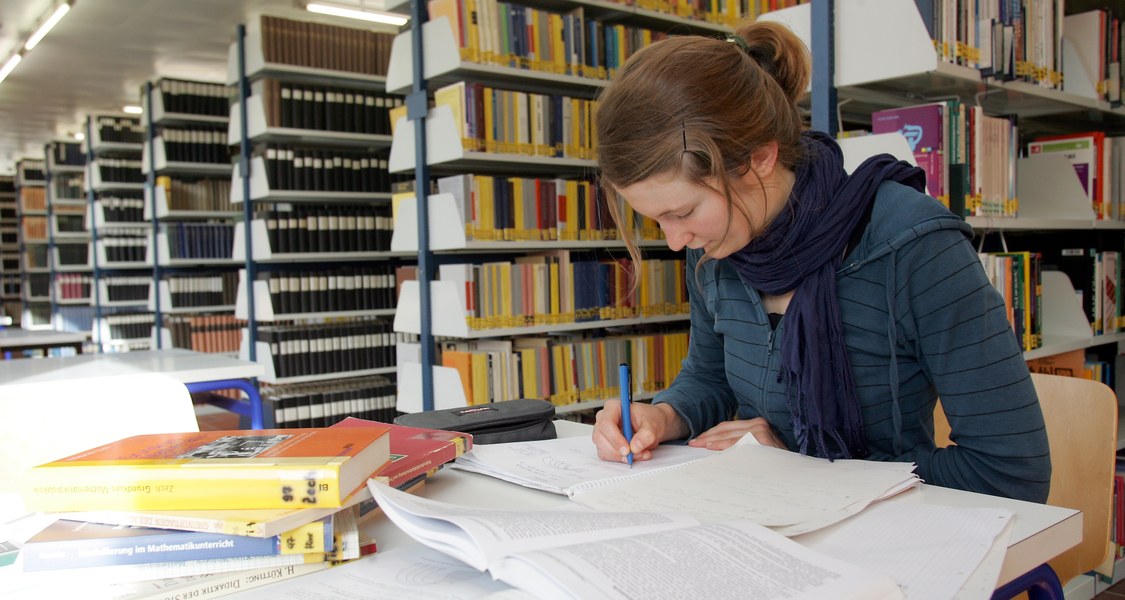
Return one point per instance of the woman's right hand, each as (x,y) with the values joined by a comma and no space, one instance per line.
(652,424)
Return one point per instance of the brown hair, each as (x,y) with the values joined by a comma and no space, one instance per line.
(701,106)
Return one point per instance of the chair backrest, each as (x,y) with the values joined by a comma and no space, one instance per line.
(1081,419)
(43,421)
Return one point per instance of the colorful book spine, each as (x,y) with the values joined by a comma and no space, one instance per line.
(274,468)
(75,544)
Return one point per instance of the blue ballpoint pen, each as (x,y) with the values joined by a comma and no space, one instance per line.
(626,399)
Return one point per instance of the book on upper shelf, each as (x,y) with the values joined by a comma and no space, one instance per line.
(415,454)
(67,544)
(277,468)
(561,553)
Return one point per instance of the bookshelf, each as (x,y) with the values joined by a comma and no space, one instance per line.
(311,125)
(69,237)
(34,244)
(187,164)
(120,248)
(436,229)
(870,76)
(9,252)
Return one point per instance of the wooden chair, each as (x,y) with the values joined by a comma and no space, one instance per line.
(1081,419)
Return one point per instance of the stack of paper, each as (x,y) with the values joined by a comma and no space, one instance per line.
(592,554)
(782,490)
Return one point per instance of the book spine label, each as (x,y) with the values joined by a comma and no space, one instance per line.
(178,546)
(64,489)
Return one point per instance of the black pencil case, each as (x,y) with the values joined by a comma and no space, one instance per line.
(493,423)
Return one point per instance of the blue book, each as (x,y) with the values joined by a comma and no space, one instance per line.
(77,544)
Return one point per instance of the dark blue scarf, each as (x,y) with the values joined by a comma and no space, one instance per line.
(802,249)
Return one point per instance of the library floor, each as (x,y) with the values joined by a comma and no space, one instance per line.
(1116,592)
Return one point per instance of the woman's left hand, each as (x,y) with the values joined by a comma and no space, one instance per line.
(726,434)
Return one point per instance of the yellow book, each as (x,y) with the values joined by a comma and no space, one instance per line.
(489,119)
(453,96)
(272,468)
(480,378)
(471,52)
(450,10)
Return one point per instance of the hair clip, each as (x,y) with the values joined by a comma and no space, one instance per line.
(683,130)
(738,41)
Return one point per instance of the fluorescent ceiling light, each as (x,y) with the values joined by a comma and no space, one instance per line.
(51,21)
(351,13)
(79,136)
(133,109)
(8,66)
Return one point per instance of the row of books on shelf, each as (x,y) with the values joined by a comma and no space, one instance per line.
(124,248)
(68,186)
(205,333)
(553,288)
(32,199)
(205,289)
(324,46)
(320,228)
(969,157)
(199,240)
(129,326)
(120,288)
(320,404)
(66,154)
(120,130)
(332,290)
(288,168)
(73,286)
(34,228)
(158,535)
(1017,276)
(324,348)
(30,173)
(194,97)
(564,43)
(563,370)
(120,170)
(195,145)
(123,207)
(514,122)
(521,208)
(1002,39)
(326,108)
(196,194)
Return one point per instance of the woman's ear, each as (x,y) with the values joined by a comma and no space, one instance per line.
(764,159)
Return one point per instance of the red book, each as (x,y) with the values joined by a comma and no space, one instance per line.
(415,452)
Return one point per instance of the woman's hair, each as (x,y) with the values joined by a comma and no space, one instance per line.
(700,107)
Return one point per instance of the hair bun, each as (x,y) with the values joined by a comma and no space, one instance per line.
(780,53)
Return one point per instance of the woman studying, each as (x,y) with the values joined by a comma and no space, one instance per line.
(828,311)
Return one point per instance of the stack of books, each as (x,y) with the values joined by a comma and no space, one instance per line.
(204,514)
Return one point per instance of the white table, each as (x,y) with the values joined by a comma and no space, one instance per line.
(1039,532)
(24,339)
(202,372)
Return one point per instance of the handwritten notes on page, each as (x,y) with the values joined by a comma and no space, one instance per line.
(563,465)
(776,488)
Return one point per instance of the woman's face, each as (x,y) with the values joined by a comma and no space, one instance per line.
(696,216)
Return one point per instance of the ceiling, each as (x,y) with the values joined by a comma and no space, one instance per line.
(98,57)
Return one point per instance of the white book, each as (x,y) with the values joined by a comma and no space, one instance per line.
(581,554)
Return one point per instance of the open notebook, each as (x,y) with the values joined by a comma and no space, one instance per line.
(782,490)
